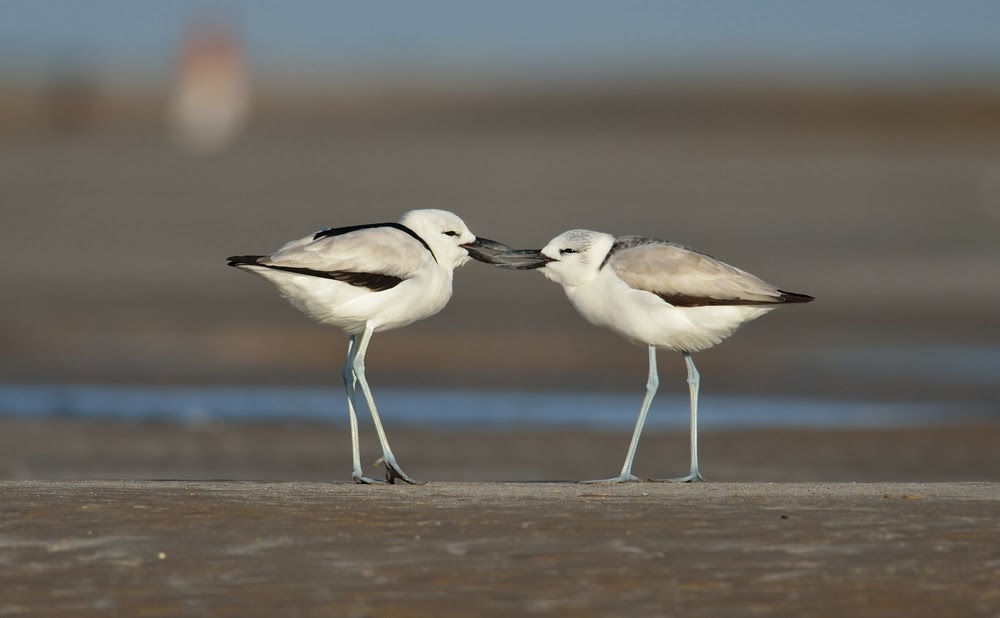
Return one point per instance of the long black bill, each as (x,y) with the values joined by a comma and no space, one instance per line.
(484,249)
(523,259)
(480,244)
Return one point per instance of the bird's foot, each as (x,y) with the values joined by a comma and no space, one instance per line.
(624,478)
(393,472)
(361,479)
(694,477)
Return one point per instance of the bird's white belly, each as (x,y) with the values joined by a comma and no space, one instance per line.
(645,319)
(351,308)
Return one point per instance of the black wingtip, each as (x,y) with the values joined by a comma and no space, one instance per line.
(792,297)
(242,260)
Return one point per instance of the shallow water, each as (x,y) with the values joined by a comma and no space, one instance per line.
(946,365)
(466,408)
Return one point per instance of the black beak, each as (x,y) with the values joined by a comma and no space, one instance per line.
(486,243)
(483,249)
(503,256)
(524,259)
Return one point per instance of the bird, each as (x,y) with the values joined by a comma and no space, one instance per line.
(654,293)
(366,279)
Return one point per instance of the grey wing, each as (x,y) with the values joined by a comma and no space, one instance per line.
(685,278)
(381,250)
(378,258)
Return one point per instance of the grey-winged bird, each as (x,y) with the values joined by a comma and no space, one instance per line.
(366,279)
(653,293)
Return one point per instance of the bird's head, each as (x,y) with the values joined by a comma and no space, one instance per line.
(444,233)
(574,257)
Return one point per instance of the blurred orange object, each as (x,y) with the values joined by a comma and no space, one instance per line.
(209,102)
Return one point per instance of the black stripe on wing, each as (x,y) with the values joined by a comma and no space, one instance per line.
(683,300)
(375,282)
(339,231)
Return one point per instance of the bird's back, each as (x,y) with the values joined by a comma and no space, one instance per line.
(656,292)
(347,277)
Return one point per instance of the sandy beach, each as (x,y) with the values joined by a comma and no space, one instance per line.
(142,548)
(260,519)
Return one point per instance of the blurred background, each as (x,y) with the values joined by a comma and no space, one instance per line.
(846,150)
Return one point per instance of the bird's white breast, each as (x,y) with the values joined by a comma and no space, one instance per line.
(646,319)
(350,307)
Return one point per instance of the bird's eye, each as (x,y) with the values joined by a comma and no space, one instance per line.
(568,250)
(450,233)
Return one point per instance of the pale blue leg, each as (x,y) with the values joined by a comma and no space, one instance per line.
(694,380)
(652,383)
(392,469)
(350,380)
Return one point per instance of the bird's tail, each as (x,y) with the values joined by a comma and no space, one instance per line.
(243,260)
(792,297)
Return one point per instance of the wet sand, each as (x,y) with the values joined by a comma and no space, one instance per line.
(315,545)
(139,548)
(290,451)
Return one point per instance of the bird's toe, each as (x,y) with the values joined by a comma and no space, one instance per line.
(694,477)
(625,478)
(394,473)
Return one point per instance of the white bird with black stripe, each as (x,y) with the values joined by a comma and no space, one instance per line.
(367,279)
(653,293)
